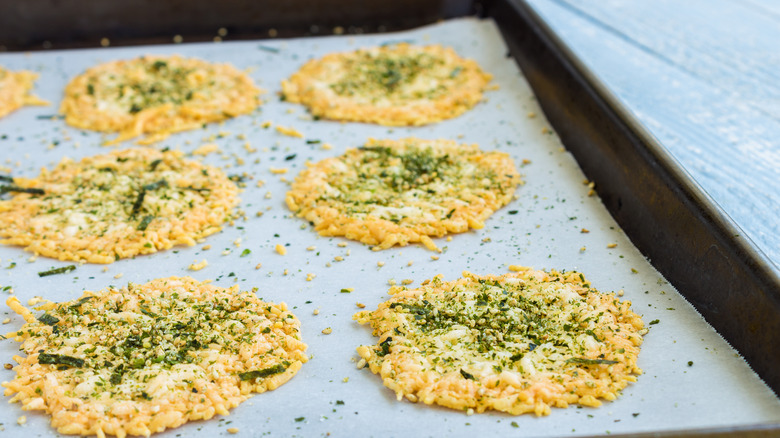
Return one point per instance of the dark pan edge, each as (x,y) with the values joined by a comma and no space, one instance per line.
(659,206)
(749,431)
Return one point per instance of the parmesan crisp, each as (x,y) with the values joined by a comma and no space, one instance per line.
(396,192)
(520,342)
(157,95)
(117,205)
(392,85)
(144,358)
(15,90)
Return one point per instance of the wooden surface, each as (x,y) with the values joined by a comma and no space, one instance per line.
(704,77)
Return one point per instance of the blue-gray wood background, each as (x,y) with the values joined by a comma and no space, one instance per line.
(704,77)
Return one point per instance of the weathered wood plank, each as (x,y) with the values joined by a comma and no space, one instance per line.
(699,75)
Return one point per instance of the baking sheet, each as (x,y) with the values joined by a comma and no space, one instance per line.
(692,379)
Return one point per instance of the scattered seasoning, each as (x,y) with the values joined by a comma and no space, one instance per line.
(280,249)
(327,331)
(246,252)
(265,372)
(299,419)
(48,319)
(584,231)
(145,223)
(60,359)
(584,361)
(654,322)
(612,245)
(466,375)
(514,424)
(233,430)
(11,188)
(690,363)
(55,271)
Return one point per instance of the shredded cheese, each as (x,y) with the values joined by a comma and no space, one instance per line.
(391,85)
(392,192)
(143,358)
(520,342)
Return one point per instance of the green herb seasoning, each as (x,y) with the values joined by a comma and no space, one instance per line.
(55,271)
(541,336)
(416,187)
(167,342)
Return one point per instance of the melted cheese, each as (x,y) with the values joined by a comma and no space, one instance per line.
(15,90)
(118,205)
(517,343)
(397,192)
(144,358)
(390,85)
(157,95)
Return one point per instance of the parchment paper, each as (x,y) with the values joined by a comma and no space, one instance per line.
(692,377)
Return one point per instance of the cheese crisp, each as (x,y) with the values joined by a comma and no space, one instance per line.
(143,358)
(517,343)
(118,205)
(15,90)
(389,85)
(397,192)
(157,95)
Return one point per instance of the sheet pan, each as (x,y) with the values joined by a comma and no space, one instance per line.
(693,379)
